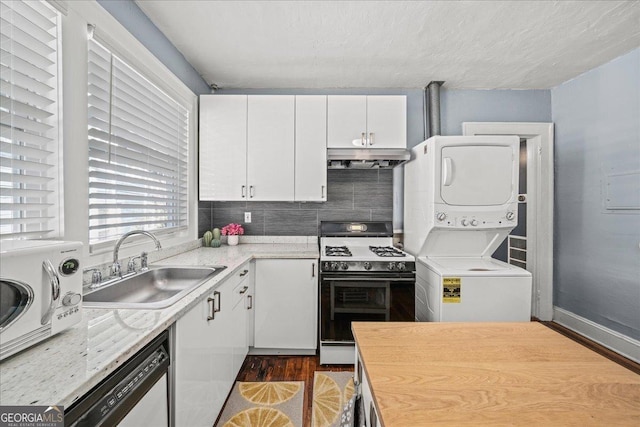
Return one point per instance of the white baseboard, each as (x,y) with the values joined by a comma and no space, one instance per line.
(622,344)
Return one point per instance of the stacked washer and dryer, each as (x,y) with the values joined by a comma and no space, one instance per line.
(460,205)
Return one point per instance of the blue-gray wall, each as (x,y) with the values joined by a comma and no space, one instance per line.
(137,23)
(458,106)
(597,135)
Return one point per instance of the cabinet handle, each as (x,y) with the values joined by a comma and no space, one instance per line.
(313,270)
(244,273)
(250,302)
(212,311)
(243,187)
(371,138)
(243,290)
(219,301)
(363,137)
(322,192)
(251,191)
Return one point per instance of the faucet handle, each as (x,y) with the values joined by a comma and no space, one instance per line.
(144,261)
(96,277)
(115,269)
(131,266)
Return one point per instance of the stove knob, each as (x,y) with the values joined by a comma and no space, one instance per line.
(464,222)
(333,266)
(325,266)
(367,266)
(474,222)
(344,265)
(391,266)
(401,266)
(441,216)
(71,298)
(510,216)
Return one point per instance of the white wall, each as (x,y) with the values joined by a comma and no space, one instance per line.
(597,257)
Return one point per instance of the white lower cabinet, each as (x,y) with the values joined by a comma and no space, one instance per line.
(286,304)
(211,343)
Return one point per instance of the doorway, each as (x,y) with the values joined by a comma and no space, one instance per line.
(530,245)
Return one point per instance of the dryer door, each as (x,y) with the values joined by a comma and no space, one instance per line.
(478,175)
(15,299)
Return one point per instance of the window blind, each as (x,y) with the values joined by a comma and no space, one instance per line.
(138,148)
(29,128)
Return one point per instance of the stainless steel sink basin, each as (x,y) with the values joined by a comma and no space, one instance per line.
(158,287)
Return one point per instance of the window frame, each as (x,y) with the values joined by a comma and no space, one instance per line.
(109,32)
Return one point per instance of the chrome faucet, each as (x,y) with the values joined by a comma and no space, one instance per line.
(115,267)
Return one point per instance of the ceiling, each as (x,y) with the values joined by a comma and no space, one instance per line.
(396,44)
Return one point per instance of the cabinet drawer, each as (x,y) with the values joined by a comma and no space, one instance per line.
(237,281)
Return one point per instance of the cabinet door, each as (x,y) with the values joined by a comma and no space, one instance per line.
(271,148)
(286,304)
(346,121)
(387,121)
(311,148)
(204,361)
(223,147)
(239,323)
(250,304)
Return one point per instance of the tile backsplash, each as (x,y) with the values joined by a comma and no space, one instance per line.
(352,195)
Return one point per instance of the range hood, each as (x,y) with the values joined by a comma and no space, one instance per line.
(366,158)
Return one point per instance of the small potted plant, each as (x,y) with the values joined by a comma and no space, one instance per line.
(232,231)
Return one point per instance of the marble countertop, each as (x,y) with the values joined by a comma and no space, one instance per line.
(63,368)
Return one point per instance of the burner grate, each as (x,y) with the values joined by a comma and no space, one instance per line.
(337,251)
(386,251)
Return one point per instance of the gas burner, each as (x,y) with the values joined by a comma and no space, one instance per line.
(337,251)
(386,251)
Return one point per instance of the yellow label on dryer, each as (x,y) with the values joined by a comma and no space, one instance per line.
(451,290)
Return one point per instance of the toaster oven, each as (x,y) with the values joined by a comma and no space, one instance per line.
(40,291)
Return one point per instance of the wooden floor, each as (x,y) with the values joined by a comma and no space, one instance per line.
(287,368)
(592,345)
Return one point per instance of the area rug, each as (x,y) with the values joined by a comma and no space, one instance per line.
(331,392)
(262,404)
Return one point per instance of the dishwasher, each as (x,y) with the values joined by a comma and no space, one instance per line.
(135,394)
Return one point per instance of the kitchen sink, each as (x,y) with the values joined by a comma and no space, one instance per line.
(156,288)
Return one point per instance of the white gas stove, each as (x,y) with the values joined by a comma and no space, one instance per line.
(362,278)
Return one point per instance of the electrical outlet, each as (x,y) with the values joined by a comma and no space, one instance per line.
(247,217)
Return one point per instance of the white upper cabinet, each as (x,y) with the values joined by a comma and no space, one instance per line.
(367,121)
(270,147)
(311,148)
(346,121)
(387,121)
(263,147)
(223,147)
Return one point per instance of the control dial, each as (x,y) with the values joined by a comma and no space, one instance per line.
(441,216)
(391,266)
(71,298)
(333,266)
(367,265)
(474,222)
(510,216)
(344,265)
(464,222)
(401,266)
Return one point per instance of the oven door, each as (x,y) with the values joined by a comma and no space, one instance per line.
(344,298)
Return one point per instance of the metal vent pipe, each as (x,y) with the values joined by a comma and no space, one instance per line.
(433,95)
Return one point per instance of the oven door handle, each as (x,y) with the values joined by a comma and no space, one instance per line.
(54,280)
(368,279)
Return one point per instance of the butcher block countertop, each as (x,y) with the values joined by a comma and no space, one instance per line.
(491,374)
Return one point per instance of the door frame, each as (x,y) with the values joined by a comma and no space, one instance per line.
(540,197)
